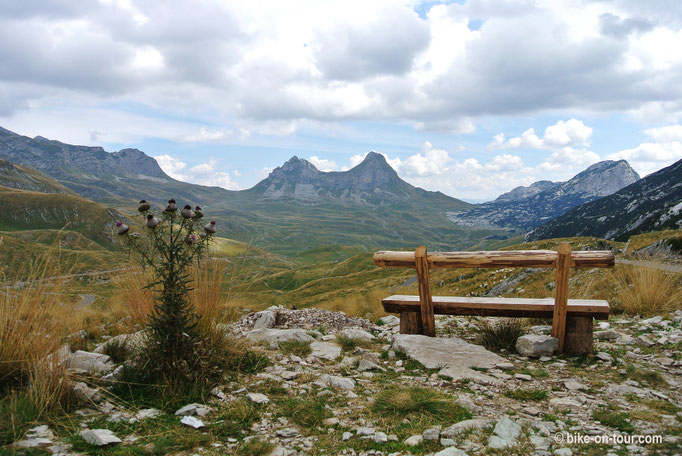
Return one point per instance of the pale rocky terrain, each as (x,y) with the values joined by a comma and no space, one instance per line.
(635,375)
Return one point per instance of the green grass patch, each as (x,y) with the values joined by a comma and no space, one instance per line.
(236,417)
(615,419)
(17,414)
(308,412)
(535,373)
(651,377)
(527,395)
(295,347)
(348,344)
(398,403)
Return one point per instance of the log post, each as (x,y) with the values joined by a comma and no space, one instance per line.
(578,339)
(563,264)
(410,323)
(425,302)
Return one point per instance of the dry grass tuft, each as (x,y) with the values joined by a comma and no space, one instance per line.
(364,304)
(134,302)
(500,335)
(646,291)
(34,320)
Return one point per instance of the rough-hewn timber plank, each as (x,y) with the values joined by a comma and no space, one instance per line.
(495,259)
(501,307)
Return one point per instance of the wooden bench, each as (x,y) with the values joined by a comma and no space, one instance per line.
(571,318)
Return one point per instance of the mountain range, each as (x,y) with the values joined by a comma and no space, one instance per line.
(297,207)
(527,207)
(49,184)
(652,203)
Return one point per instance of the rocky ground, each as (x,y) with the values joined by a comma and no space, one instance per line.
(347,386)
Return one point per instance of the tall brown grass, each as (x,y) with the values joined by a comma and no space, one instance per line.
(365,304)
(134,302)
(35,318)
(641,290)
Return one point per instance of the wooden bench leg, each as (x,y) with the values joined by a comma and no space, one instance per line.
(578,340)
(410,323)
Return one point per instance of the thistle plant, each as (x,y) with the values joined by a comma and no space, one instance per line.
(170,242)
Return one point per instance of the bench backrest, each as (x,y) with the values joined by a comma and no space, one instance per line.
(495,259)
(562,259)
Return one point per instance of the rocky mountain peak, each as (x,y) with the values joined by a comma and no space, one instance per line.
(601,179)
(521,192)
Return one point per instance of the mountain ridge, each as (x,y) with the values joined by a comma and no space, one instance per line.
(599,179)
(652,203)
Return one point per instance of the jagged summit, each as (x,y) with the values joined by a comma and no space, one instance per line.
(371,179)
(651,203)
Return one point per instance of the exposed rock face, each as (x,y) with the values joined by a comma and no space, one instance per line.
(301,179)
(515,211)
(652,203)
(453,356)
(520,193)
(89,362)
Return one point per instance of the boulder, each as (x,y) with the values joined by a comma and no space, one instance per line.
(258,398)
(264,320)
(193,409)
(89,362)
(536,345)
(505,434)
(84,394)
(355,333)
(99,437)
(389,320)
(414,440)
(338,382)
(134,342)
(454,356)
(275,336)
(451,451)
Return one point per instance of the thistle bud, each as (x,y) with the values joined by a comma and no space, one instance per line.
(191,239)
(122,228)
(197,213)
(144,206)
(171,207)
(152,221)
(187,211)
(210,227)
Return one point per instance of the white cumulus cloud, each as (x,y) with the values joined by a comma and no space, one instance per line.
(202,174)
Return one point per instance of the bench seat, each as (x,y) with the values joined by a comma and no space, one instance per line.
(498,307)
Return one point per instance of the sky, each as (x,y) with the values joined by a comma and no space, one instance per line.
(471,98)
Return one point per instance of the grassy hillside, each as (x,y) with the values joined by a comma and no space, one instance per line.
(28,210)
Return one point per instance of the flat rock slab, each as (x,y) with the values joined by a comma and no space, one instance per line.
(454,356)
(99,437)
(325,350)
(274,336)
